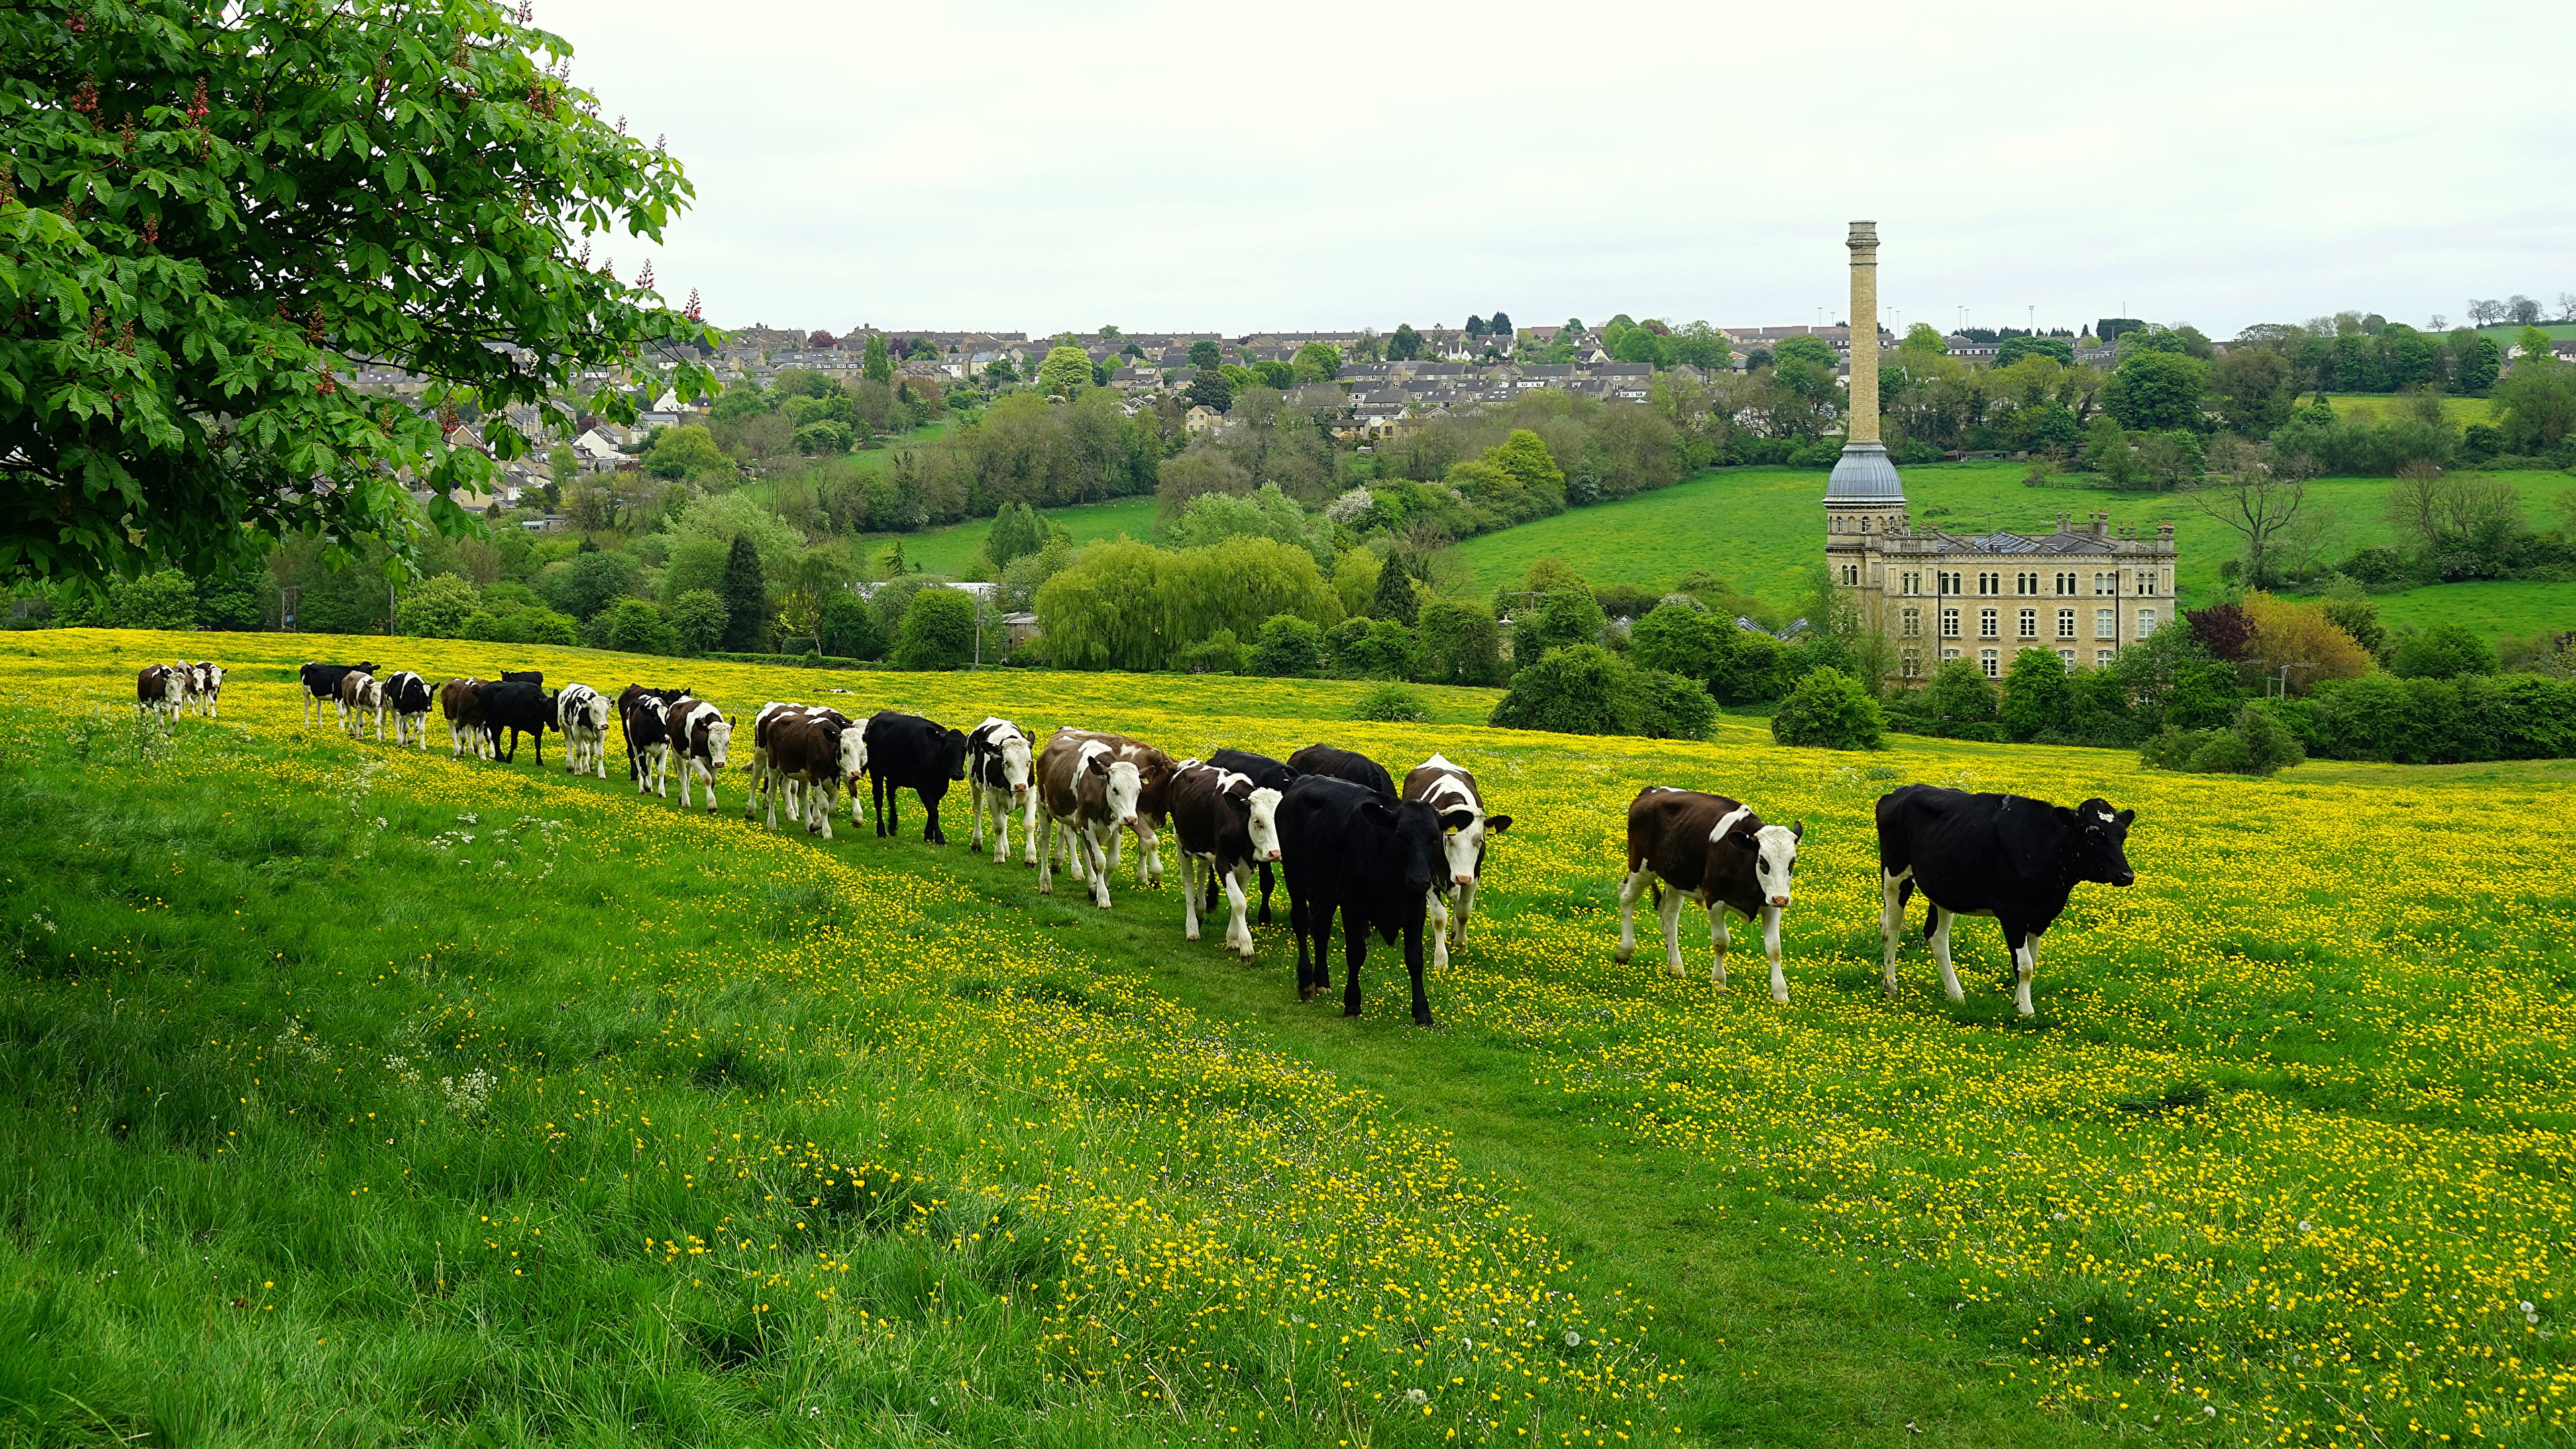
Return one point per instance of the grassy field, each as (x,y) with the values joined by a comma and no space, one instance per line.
(952,550)
(2373,407)
(356,1095)
(1762,529)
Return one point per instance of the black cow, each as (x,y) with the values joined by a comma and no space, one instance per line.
(907,752)
(517,705)
(2006,856)
(1348,765)
(523,676)
(1373,858)
(322,686)
(1265,773)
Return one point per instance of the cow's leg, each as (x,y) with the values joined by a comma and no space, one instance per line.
(1314,979)
(876,797)
(1190,897)
(818,804)
(976,805)
(1942,921)
(1629,889)
(1099,863)
(763,789)
(1668,911)
(1238,931)
(1267,876)
(1000,801)
(599,754)
(1466,907)
(1046,858)
(1435,907)
(1771,949)
(1297,933)
(1718,944)
(930,831)
(1891,927)
(1413,968)
(706,777)
(1149,854)
(2025,954)
(1354,954)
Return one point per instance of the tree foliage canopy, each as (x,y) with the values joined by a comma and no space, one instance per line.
(212,213)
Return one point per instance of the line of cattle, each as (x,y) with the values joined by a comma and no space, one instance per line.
(1386,859)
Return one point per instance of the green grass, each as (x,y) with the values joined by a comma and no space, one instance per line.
(952,550)
(2360,406)
(1120,1189)
(1762,530)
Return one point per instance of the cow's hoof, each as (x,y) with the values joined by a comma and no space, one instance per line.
(1424,1021)
(1189,935)
(1620,958)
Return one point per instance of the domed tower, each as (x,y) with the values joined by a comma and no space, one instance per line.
(1864,500)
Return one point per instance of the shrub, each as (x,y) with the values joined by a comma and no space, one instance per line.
(1375,649)
(633,626)
(1558,617)
(1670,706)
(1584,689)
(438,607)
(1457,643)
(699,616)
(2038,697)
(1288,647)
(2441,651)
(1830,710)
(2258,743)
(938,631)
(1959,692)
(590,581)
(1218,653)
(850,629)
(1391,704)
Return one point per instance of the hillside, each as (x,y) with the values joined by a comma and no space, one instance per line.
(402,1097)
(1762,529)
(952,550)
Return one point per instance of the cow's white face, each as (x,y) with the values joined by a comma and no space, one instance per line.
(854,754)
(1775,859)
(1015,764)
(1264,823)
(1125,786)
(719,735)
(1465,846)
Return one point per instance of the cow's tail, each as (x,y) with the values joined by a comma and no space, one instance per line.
(1656,886)
(1931,917)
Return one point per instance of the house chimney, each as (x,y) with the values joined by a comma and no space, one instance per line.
(1864,331)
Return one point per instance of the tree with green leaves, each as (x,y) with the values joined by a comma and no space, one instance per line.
(874,363)
(1066,371)
(699,617)
(2536,403)
(2153,389)
(1017,531)
(746,598)
(938,631)
(1395,600)
(1404,344)
(685,452)
(1206,355)
(1457,643)
(1316,362)
(211,214)
(2038,696)
(1500,324)
(1830,710)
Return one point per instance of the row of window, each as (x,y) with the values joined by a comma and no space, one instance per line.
(1992,660)
(2107,583)
(2106,623)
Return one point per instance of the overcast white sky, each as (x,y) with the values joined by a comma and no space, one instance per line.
(1205,167)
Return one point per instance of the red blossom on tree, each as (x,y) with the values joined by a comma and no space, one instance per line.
(822,338)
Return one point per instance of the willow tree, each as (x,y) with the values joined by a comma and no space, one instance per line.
(212,212)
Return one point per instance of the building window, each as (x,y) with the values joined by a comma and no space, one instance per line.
(1913,623)
(1992,660)
(2106,584)
(1851,574)
(1949,623)
(1989,585)
(1913,583)
(1913,664)
(2066,623)
(2146,622)
(1949,653)
(2067,657)
(2025,583)
(2146,581)
(2030,623)
(2065,585)
(2106,622)
(1951,583)
(2101,658)
(1988,626)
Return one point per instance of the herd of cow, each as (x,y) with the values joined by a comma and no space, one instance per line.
(1389,860)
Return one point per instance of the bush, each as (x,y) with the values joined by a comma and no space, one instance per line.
(2446,721)
(699,616)
(1561,617)
(1376,649)
(938,631)
(1218,653)
(438,608)
(1288,648)
(2441,651)
(633,626)
(1670,706)
(1584,689)
(1830,710)
(850,629)
(1457,643)
(524,624)
(590,581)
(2258,743)
(1391,704)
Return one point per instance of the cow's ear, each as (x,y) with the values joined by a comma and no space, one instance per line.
(1097,764)
(1798,831)
(1457,819)
(1745,837)
(1378,812)
(2123,818)
(1498,822)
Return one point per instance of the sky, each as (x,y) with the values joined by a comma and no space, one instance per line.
(1197,167)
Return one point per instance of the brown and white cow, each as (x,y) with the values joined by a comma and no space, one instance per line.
(1153,808)
(461,700)
(700,735)
(1088,795)
(1220,818)
(1717,852)
(322,685)
(814,752)
(360,694)
(759,783)
(1449,789)
(156,691)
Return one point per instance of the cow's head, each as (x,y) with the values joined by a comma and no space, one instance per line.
(1261,809)
(594,709)
(1125,787)
(2099,851)
(1416,829)
(853,752)
(718,732)
(1775,859)
(1465,847)
(1015,763)
(952,752)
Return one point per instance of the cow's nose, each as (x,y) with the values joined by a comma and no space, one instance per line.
(1274,855)
(2128,878)
(1464,880)
(1779,900)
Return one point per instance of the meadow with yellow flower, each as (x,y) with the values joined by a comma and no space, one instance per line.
(360,1095)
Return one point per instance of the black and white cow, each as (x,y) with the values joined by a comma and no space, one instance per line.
(1714,851)
(815,752)
(1369,856)
(648,743)
(581,712)
(517,706)
(361,694)
(700,735)
(627,700)
(999,771)
(206,686)
(156,692)
(1265,774)
(1446,787)
(2006,856)
(907,752)
(1089,796)
(759,783)
(1343,764)
(1224,824)
(322,686)
(407,699)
